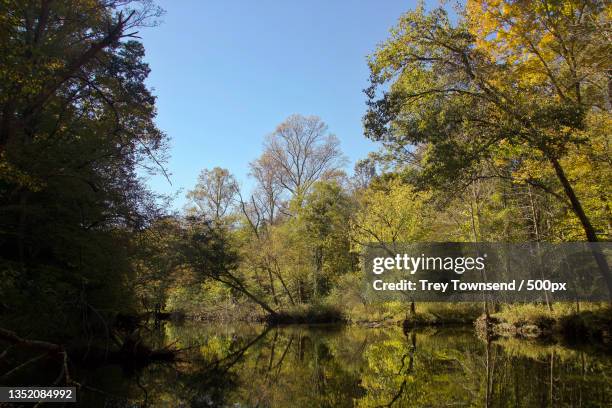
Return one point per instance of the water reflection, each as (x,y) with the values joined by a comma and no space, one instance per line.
(251,366)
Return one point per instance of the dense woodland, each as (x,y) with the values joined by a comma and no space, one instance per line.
(495,127)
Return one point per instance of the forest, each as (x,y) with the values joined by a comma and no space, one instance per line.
(493,126)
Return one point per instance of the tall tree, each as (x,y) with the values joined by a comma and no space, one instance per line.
(300,152)
(268,191)
(76,124)
(437,83)
(214,193)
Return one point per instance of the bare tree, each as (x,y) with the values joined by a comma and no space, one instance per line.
(214,193)
(300,152)
(268,191)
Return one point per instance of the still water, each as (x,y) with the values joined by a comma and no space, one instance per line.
(251,366)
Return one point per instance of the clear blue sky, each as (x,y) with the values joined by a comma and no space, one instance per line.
(227,72)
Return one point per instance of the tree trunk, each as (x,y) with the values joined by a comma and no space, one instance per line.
(241,288)
(589,231)
(272,287)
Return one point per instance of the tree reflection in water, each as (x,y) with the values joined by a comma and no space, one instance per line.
(254,366)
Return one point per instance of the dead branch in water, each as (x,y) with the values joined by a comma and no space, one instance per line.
(49,348)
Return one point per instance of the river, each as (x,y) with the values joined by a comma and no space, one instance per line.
(349,366)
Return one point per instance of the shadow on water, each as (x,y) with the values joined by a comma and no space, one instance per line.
(252,366)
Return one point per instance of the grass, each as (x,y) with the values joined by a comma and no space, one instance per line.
(532,313)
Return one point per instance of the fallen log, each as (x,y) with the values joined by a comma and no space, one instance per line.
(16,340)
(51,349)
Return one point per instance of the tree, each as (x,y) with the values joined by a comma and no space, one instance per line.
(300,152)
(363,173)
(214,193)
(465,101)
(76,129)
(268,191)
(49,48)
(77,121)
(326,218)
(391,212)
(207,249)
(558,52)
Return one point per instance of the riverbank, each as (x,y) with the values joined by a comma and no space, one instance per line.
(375,315)
(563,322)
(592,324)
